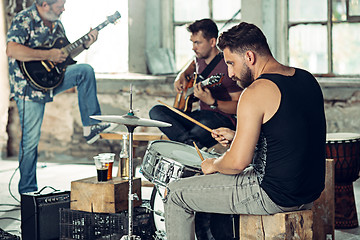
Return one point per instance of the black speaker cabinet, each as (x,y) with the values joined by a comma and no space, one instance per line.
(40,214)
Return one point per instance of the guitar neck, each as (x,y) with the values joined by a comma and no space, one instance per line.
(71,47)
(190,91)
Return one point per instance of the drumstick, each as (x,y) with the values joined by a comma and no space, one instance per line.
(187,117)
(198,151)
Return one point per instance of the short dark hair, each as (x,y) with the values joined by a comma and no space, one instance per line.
(50,2)
(207,26)
(244,37)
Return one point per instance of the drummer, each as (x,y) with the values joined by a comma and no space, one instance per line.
(287,169)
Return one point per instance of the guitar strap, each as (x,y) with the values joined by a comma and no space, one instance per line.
(205,73)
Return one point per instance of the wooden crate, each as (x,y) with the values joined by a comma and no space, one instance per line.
(89,195)
(284,226)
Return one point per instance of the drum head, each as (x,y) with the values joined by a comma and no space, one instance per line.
(342,136)
(157,206)
(182,153)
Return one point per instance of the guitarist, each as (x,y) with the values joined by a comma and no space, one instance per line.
(33,27)
(217,104)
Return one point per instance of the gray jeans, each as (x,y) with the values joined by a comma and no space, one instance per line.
(215,193)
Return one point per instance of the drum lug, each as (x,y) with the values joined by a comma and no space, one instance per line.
(134,196)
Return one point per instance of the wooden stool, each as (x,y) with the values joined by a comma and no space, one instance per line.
(324,206)
(284,226)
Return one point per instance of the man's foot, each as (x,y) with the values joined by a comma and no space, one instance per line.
(96,129)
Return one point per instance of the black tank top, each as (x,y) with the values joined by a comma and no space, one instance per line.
(290,154)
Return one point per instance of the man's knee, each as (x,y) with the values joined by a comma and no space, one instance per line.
(156,111)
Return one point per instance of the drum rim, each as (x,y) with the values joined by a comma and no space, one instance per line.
(180,144)
(196,165)
(342,137)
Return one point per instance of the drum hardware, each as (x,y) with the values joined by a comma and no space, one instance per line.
(131,122)
(159,213)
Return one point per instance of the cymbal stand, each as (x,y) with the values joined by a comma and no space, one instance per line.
(131,195)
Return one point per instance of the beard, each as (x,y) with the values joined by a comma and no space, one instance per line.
(245,79)
(51,15)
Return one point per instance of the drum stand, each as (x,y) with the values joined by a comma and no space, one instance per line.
(131,195)
(131,122)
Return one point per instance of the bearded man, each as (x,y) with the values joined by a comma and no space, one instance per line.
(217,103)
(276,159)
(39,26)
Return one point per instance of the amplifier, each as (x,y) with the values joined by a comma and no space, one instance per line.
(40,214)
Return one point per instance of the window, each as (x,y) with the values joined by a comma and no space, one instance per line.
(225,13)
(80,15)
(324,36)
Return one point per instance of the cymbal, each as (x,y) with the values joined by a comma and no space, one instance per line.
(129,120)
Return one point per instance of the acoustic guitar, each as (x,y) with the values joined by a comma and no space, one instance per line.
(185,99)
(46,75)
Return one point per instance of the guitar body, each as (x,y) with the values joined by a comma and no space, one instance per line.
(185,99)
(182,102)
(46,74)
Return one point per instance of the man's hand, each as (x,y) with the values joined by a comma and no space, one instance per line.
(180,83)
(223,135)
(56,55)
(207,166)
(203,94)
(93,34)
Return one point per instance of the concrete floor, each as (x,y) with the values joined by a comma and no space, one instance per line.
(61,172)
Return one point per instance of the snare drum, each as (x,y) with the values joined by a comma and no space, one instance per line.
(166,161)
(344,148)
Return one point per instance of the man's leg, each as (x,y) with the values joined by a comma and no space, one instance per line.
(31,117)
(216,193)
(179,131)
(83,77)
(211,119)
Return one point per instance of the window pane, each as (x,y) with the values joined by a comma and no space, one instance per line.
(346,48)
(223,28)
(183,47)
(307,10)
(225,9)
(354,7)
(308,47)
(110,52)
(339,10)
(190,10)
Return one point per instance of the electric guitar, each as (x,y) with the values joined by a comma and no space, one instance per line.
(46,75)
(185,98)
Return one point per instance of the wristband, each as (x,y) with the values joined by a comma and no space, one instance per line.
(214,105)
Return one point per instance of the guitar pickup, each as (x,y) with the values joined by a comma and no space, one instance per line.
(46,66)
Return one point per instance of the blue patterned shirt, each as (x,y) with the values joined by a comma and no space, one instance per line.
(27,28)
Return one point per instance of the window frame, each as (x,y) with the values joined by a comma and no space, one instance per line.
(329,27)
(175,24)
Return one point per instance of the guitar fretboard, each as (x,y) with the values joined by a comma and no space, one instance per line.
(69,48)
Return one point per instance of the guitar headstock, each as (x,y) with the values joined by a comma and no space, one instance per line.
(113,18)
(215,79)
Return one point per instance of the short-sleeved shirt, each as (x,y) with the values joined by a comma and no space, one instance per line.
(27,28)
(221,91)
